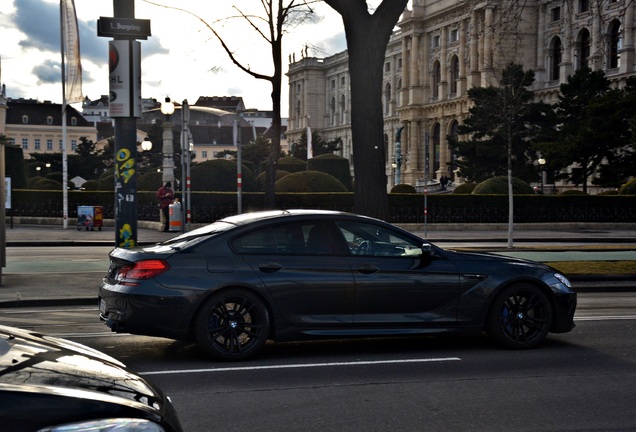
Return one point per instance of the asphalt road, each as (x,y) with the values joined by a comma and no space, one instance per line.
(579,381)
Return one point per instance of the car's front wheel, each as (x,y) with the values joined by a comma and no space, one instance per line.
(520,317)
(232,325)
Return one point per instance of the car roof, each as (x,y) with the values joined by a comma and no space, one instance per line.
(246,218)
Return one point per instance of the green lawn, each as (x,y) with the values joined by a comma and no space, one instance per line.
(595,267)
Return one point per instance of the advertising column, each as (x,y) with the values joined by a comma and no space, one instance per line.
(124,57)
(124,60)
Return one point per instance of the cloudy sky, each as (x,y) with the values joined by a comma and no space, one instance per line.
(182,59)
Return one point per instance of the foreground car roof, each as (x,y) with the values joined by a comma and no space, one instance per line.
(39,368)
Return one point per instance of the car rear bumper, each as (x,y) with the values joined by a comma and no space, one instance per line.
(145,311)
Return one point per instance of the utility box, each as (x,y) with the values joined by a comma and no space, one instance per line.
(90,217)
(174,213)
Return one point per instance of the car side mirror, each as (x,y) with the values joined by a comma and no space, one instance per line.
(427,250)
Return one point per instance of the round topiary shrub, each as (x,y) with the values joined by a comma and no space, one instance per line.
(219,175)
(628,188)
(609,192)
(309,181)
(92,185)
(290,164)
(262,178)
(403,189)
(573,192)
(107,183)
(150,181)
(57,176)
(465,188)
(31,182)
(107,172)
(335,165)
(47,184)
(499,186)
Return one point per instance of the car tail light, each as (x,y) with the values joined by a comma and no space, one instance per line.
(141,270)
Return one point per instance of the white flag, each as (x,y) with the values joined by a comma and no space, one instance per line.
(310,150)
(71,53)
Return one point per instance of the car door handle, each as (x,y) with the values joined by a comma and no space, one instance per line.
(368,269)
(270,267)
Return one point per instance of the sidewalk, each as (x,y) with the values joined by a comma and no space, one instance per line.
(51,280)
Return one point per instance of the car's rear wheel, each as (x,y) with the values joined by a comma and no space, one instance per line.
(520,317)
(232,325)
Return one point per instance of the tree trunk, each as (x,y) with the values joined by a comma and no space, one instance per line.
(272,161)
(367,39)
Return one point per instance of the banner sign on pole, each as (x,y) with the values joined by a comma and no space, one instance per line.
(124,64)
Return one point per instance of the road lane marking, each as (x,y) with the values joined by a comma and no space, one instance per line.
(300,366)
(605,318)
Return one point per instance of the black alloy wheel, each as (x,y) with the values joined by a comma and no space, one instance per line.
(232,325)
(520,317)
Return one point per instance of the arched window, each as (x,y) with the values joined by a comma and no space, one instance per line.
(436,147)
(615,45)
(73,121)
(437,71)
(49,120)
(584,49)
(454,135)
(555,53)
(332,108)
(398,94)
(387,99)
(342,109)
(454,74)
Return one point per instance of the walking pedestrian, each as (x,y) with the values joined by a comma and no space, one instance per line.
(165,195)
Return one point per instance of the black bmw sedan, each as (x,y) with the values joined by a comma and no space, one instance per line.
(49,384)
(298,274)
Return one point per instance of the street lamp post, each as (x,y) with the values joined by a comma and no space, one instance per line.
(146,144)
(542,165)
(186,161)
(167,109)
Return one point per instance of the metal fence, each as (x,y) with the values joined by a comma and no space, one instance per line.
(434,214)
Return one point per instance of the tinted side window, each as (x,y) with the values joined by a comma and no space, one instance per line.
(255,242)
(372,240)
(307,238)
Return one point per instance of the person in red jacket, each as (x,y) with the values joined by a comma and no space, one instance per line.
(165,195)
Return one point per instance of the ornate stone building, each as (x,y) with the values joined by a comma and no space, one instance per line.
(444,47)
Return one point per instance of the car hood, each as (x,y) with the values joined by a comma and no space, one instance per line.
(32,362)
(491,258)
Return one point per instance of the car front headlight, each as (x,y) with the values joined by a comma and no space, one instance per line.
(108,425)
(563,280)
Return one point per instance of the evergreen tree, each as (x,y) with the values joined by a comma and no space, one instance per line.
(593,127)
(621,160)
(502,126)
(318,145)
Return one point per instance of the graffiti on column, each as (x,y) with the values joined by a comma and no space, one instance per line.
(124,172)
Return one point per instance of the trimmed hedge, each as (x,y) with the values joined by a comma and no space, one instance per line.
(289,164)
(219,175)
(442,208)
(309,181)
(334,165)
(403,188)
(499,185)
